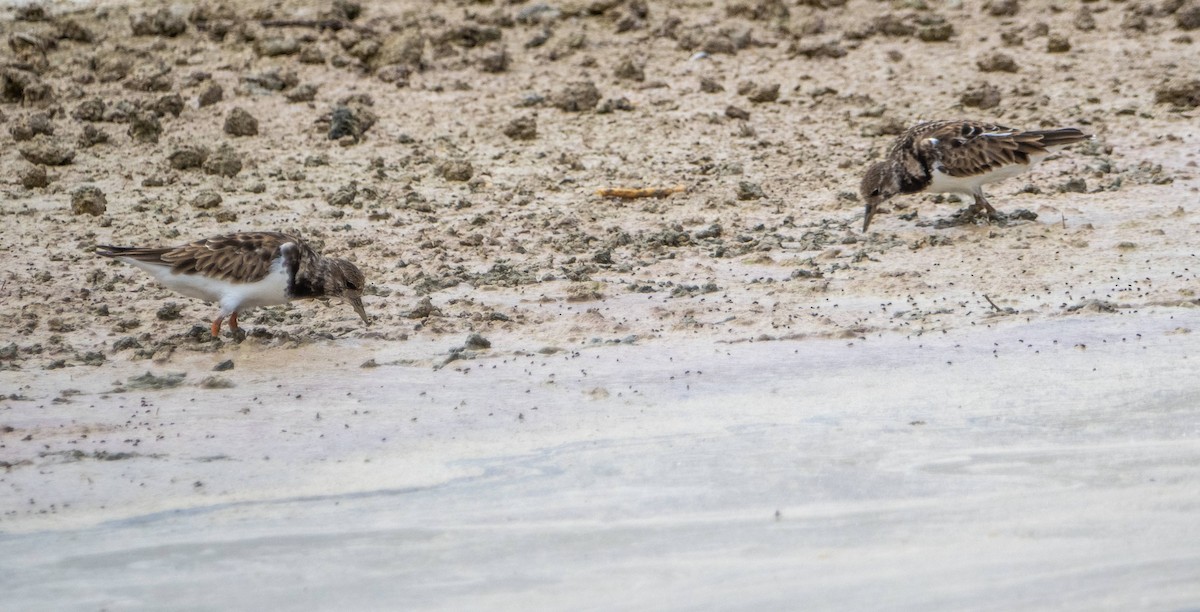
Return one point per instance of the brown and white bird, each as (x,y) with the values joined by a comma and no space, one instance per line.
(958,156)
(247,270)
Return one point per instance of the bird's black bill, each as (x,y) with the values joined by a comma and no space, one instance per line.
(362,312)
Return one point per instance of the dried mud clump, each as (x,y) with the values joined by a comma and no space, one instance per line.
(91,136)
(758,10)
(477,342)
(271,81)
(170,104)
(1002,8)
(88,200)
(144,127)
(171,311)
(216,382)
(423,309)
(277,46)
(148,381)
(1188,17)
(69,29)
(708,85)
(211,94)
(887,24)
(162,22)
(31,12)
(749,191)
(302,93)
(456,170)
(761,94)
(468,35)
(224,162)
(982,96)
(37,123)
(1057,43)
(577,97)
(24,87)
(890,126)
(539,13)
(347,10)
(111,66)
(614,104)
(151,79)
(812,50)
(997,62)
(344,195)
(1084,20)
(206,200)
(350,121)
(90,110)
(239,122)
(396,75)
(188,156)
(1180,93)
(629,70)
(494,62)
(45,150)
(521,128)
(1074,185)
(32,175)
(935,28)
(311,55)
(401,49)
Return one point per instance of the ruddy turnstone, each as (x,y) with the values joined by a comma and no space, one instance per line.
(246,270)
(958,157)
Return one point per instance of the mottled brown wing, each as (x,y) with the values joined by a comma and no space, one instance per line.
(965,148)
(912,149)
(243,258)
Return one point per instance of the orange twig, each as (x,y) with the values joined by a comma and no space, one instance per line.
(630,193)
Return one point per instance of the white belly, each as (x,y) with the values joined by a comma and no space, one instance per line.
(268,291)
(945,183)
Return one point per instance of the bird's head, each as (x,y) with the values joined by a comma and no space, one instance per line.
(347,282)
(881,182)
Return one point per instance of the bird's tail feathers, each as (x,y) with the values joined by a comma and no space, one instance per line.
(108,250)
(148,255)
(1061,137)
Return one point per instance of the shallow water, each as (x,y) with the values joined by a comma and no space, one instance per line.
(1049,464)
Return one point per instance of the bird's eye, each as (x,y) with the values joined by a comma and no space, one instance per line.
(874,192)
(351,286)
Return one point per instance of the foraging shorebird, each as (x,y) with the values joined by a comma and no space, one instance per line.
(247,270)
(958,157)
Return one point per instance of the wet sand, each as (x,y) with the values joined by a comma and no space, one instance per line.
(1045,464)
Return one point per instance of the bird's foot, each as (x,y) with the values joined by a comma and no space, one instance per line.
(235,332)
(984,211)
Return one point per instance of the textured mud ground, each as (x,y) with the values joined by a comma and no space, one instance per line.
(453,151)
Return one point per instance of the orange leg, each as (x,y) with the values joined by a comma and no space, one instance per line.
(233,322)
(216,327)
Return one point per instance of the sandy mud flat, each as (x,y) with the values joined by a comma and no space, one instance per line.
(727,395)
